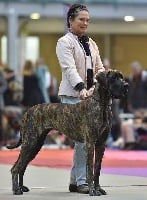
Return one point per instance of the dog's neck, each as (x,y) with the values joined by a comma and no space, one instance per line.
(101,95)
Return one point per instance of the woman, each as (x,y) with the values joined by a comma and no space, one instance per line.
(79,59)
(32,94)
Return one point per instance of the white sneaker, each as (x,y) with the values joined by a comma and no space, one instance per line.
(119,143)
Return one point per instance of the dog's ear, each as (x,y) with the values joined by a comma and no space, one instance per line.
(120,75)
(114,74)
(101,78)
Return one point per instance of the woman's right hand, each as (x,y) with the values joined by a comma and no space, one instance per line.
(84,94)
(91,90)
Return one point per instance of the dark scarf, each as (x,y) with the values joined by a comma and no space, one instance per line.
(84,41)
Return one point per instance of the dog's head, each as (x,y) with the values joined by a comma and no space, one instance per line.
(114,82)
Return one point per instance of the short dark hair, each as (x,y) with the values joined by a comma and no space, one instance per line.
(73,11)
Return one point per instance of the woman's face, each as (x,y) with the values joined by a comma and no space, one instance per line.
(79,24)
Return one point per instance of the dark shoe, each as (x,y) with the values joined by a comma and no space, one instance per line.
(130,146)
(83,189)
(73,188)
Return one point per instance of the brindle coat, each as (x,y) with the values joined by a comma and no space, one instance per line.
(88,121)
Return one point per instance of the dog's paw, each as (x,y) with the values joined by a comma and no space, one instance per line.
(94,192)
(103,192)
(25,189)
(91,192)
(18,191)
(100,191)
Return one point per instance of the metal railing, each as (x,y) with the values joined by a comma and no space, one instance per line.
(113,2)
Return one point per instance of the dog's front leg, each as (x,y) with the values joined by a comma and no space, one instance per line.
(89,168)
(99,152)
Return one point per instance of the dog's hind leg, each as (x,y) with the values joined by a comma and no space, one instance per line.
(27,153)
(18,171)
(15,178)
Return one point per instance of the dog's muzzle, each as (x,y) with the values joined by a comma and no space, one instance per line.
(126,87)
(119,90)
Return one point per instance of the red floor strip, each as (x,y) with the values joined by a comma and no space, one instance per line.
(63,158)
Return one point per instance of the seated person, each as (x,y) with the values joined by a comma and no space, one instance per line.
(133,131)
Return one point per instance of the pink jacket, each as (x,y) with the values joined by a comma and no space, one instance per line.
(72,60)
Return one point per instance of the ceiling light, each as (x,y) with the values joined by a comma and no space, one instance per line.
(35,16)
(129,18)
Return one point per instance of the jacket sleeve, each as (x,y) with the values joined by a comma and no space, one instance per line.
(67,63)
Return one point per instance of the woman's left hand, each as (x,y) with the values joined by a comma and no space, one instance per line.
(91,90)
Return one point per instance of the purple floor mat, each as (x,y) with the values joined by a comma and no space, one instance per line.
(126,171)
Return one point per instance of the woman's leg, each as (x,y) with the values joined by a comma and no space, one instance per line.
(78,170)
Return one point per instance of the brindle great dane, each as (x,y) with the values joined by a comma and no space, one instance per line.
(88,121)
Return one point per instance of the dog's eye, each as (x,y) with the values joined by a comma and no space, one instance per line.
(113,77)
(117,77)
(121,76)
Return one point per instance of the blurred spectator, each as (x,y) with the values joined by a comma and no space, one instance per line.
(1,66)
(53,90)
(13,93)
(106,63)
(43,76)
(142,133)
(136,103)
(3,87)
(32,93)
(134,132)
(11,124)
(129,131)
(137,94)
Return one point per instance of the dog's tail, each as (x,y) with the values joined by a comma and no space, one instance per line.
(14,145)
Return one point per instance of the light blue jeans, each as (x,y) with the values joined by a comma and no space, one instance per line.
(78,170)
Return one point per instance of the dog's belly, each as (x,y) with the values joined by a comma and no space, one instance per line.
(72,125)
